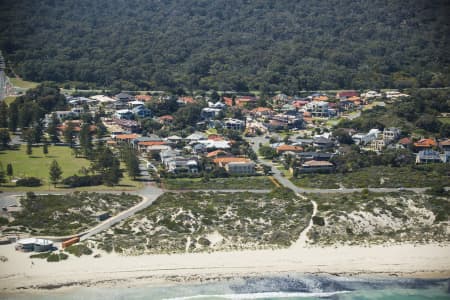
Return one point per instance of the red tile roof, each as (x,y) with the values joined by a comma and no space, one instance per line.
(284,148)
(425,143)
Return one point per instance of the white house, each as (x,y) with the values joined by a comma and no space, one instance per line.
(365,138)
(317,108)
(234,124)
(123,114)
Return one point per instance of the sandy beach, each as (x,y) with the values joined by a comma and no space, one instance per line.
(18,273)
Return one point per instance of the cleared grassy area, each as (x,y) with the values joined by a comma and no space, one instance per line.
(38,164)
(374,218)
(18,82)
(445,120)
(10,99)
(205,221)
(380,176)
(253,183)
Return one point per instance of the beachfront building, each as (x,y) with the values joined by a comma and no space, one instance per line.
(34,244)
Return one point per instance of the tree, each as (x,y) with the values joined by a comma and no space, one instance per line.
(55,172)
(29,150)
(133,165)
(343,137)
(9,171)
(2,174)
(45,148)
(3,115)
(52,128)
(4,138)
(68,133)
(13,116)
(85,139)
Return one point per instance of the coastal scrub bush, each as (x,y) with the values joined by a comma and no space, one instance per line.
(28,181)
(3,221)
(318,221)
(42,255)
(79,250)
(77,181)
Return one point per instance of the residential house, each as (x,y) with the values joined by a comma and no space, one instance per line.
(371,94)
(425,144)
(427,156)
(127,125)
(218,153)
(323,143)
(288,148)
(142,112)
(195,137)
(166,119)
(390,134)
(210,113)
(366,138)
(124,97)
(241,168)
(445,145)
(346,94)
(126,138)
(149,146)
(395,95)
(182,165)
(143,98)
(377,145)
(316,166)
(125,114)
(445,157)
(234,124)
(103,99)
(174,139)
(239,165)
(262,112)
(317,108)
(135,103)
(318,156)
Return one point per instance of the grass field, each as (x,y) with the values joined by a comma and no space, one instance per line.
(37,165)
(254,183)
(22,83)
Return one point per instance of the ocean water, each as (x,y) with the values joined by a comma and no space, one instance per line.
(266,288)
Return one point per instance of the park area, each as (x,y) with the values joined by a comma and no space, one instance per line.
(38,164)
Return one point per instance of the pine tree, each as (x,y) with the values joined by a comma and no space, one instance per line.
(45,148)
(2,174)
(133,165)
(3,115)
(68,134)
(13,116)
(9,171)
(29,148)
(55,172)
(52,128)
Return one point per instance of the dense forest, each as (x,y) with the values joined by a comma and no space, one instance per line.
(229,44)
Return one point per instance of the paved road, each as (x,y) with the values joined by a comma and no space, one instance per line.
(149,194)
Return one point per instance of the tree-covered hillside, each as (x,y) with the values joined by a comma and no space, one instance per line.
(230,44)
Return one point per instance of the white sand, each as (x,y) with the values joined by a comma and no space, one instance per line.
(403,260)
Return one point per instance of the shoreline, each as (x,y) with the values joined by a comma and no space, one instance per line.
(20,274)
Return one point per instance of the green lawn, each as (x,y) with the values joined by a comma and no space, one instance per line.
(37,165)
(10,99)
(255,183)
(22,83)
